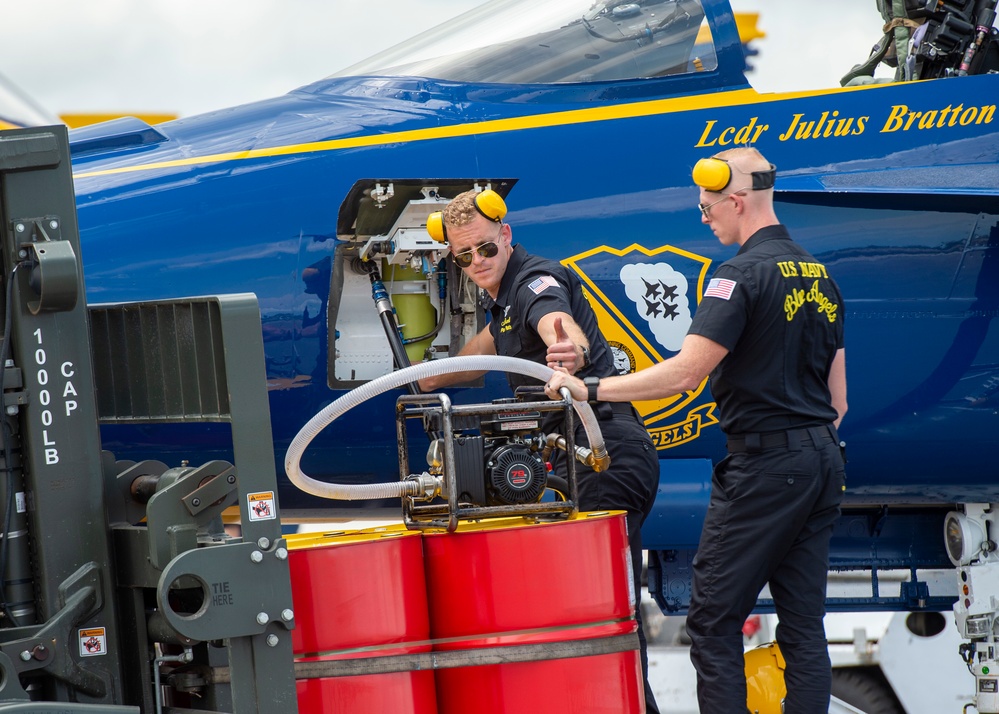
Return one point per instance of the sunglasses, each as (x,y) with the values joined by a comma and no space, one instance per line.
(486,250)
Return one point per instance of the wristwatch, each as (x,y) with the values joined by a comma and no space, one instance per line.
(592,383)
(586,356)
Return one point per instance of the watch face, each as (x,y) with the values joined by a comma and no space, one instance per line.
(624,360)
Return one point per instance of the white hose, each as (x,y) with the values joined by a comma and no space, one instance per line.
(393,380)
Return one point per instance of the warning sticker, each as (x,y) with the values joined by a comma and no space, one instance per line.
(93,642)
(261,506)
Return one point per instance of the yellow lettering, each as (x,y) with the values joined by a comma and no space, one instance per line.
(787,268)
(818,126)
(792,302)
(830,126)
(903,118)
(894,122)
(824,304)
(703,141)
(798,297)
(745,134)
(954,115)
(804,130)
(843,127)
(943,116)
(968,116)
(813,270)
(790,130)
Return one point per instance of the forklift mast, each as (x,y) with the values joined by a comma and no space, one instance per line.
(121,590)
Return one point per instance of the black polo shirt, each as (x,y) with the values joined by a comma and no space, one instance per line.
(780,315)
(531,288)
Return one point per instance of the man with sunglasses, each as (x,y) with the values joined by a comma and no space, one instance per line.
(769,331)
(538,312)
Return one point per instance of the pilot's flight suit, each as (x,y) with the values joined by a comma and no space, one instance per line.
(775,497)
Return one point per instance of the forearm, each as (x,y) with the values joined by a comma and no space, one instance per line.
(837,385)
(432,384)
(481,344)
(656,382)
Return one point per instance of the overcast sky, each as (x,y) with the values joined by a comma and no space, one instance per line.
(190,56)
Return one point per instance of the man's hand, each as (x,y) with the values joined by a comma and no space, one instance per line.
(563,354)
(560,379)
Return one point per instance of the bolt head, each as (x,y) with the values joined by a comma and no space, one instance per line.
(262,618)
(256,556)
(272,640)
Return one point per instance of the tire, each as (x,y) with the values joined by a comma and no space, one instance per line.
(867,691)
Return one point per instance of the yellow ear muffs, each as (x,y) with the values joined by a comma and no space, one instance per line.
(435,227)
(712,174)
(715,175)
(491,205)
(488,203)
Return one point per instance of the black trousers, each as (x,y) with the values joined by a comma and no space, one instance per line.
(629,485)
(769,520)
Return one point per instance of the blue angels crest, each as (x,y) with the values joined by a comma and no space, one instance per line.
(645,300)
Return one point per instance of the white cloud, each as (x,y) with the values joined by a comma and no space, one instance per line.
(191,56)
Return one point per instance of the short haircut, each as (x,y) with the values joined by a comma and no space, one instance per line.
(461,211)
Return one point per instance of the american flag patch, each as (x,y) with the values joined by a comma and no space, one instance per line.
(542,284)
(720,288)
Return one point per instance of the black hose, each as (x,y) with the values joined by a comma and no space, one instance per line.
(387,315)
(11,486)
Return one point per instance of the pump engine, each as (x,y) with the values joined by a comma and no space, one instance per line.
(497,458)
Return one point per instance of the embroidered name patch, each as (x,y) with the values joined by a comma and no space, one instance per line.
(720,288)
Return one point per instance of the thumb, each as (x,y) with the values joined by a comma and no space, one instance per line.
(560,334)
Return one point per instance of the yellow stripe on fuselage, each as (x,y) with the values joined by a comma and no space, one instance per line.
(534,121)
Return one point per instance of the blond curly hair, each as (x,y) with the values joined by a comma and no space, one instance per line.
(461,211)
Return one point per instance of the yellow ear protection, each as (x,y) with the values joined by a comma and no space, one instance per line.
(715,175)
(488,203)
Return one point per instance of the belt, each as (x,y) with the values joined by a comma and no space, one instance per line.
(791,439)
(608,410)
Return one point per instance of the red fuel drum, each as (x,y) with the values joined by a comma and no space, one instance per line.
(505,582)
(360,594)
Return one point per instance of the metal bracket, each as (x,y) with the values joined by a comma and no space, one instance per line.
(243,588)
(54,266)
(50,646)
(174,513)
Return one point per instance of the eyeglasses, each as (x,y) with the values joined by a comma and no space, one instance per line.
(706,210)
